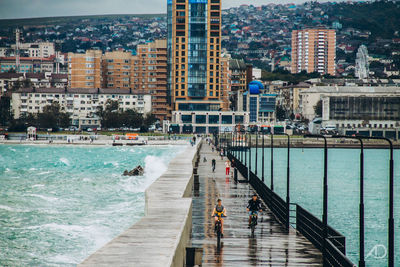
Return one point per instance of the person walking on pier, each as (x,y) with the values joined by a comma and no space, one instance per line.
(227,168)
(253,207)
(213,163)
(219,208)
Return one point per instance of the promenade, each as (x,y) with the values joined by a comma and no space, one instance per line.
(272,245)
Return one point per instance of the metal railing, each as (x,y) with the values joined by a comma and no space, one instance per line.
(329,241)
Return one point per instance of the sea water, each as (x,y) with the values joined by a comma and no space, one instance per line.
(306,177)
(59,204)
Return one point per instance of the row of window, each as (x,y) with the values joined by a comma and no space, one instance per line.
(82,96)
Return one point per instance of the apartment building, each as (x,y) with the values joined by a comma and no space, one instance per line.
(150,74)
(80,103)
(84,70)
(314,50)
(194,55)
(27,64)
(37,50)
(147,71)
(116,69)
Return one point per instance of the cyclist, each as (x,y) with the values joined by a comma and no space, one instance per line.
(219,209)
(253,207)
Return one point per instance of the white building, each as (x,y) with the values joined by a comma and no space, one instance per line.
(9,81)
(81,104)
(362,64)
(354,107)
(37,50)
(257,73)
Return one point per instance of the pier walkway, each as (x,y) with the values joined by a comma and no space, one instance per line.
(272,245)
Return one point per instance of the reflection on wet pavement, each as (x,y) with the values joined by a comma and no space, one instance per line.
(271,245)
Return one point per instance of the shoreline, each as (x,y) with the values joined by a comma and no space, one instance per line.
(96,142)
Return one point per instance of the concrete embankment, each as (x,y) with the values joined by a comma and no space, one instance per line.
(161,236)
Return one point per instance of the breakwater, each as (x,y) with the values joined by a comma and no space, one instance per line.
(161,236)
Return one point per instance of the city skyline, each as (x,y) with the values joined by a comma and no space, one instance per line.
(16,9)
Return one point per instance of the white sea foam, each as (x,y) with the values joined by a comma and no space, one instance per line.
(154,167)
(113,163)
(65,161)
(38,185)
(47,198)
(8,208)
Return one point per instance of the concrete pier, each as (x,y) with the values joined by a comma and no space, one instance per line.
(272,244)
(161,236)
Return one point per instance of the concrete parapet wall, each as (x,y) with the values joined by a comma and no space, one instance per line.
(161,236)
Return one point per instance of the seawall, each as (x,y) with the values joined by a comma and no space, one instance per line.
(161,236)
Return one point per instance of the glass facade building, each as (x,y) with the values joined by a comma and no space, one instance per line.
(194,63)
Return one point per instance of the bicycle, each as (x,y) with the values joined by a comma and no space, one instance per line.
(253,222)
(218,227)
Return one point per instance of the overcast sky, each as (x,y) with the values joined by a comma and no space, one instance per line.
(50,8)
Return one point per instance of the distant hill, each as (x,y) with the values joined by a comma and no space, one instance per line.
(67,19)
(382,18)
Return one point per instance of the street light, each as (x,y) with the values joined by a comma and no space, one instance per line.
(262,134)
(256,163)
(361,262)
(391,198)
(288,182)
(272,162)
(325,197)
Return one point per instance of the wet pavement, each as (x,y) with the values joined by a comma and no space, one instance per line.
(272,245)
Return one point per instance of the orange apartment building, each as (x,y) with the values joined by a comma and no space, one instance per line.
(151,74)
(116,69)
(84,70)
(314,50)
(146,71)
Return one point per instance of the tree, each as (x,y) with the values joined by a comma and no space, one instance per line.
(27,83)
(318,108)
(280,113)
(150,119)
(109,115)
(53,117)
(5,111)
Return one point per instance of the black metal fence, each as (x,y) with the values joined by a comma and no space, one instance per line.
(333,247)
(312,228)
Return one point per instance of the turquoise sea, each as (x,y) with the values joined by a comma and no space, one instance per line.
(343,181)
(58,204)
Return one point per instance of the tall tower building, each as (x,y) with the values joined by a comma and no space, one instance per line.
(194,55)
(314,50)
(362,64)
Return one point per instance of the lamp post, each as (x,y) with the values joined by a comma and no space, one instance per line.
(272,161)
(256,163)
(325,193)
(288,182)
(262,134)
(391,199)
(361,262)
(249,171)
(245,152)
